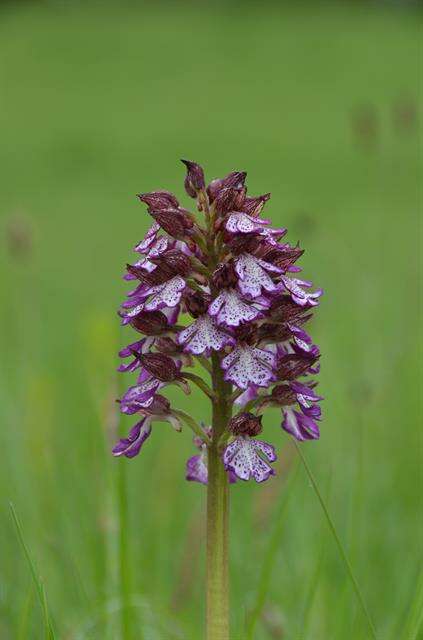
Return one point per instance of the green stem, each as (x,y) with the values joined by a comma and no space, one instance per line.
(218,514)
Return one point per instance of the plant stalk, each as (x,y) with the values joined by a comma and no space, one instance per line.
(218,514)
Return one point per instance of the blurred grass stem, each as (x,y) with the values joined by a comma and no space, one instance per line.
(338,543)
(124,555)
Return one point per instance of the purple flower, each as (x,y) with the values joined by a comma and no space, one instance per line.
(230,309)
(149,239)
(247,365)
(140,395)
(203,336)
(197,466)
(232,274)
(254,275)
(196,469)
(298,294)
(131,446)
(300,426)
(239,222)
(248,458)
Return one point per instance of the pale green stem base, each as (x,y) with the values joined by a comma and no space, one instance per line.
(218,516)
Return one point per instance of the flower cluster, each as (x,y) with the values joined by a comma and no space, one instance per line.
(226,284)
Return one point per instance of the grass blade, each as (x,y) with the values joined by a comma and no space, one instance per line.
(338,543)
(414,622)
(39,585)
(269,560)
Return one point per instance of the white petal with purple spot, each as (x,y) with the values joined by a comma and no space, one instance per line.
(230,309)
(253,276)
(203,335)
(166,295)
(243,458)
(247,365)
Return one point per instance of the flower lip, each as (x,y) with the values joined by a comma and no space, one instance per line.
(248,458)
(204,336)
(239,222)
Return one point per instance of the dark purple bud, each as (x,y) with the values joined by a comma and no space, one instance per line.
(283,257)
(168,346)
(174,262)
(245,243)
(282,395)
(254,206)
(229,199)
(246,333)
(194,180)
(245,424)
(196,304)
(294,365)
(151,323)
(224,276)
(151,278)
(284,309)
(174,221)
(235,179)
(274,332)
(160,366)
(156,200)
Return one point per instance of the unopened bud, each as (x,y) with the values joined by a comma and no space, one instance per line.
(174,221)
(235,179)
(174,261)
(254,206)
(294,365)
(160,366)
(245,243)
(282,395)
(245,424)
(229,199)
(196,304)
(224,276)
(157,200)
(246,333)
(194,180)
(284,257)
(151,323)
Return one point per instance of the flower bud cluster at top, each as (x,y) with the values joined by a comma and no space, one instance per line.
(231,274)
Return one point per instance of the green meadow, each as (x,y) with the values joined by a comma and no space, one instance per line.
(320,104)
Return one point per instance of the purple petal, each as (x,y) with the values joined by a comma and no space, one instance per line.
(131,446)
(300,426)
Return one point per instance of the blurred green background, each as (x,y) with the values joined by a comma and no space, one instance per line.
(320,104)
